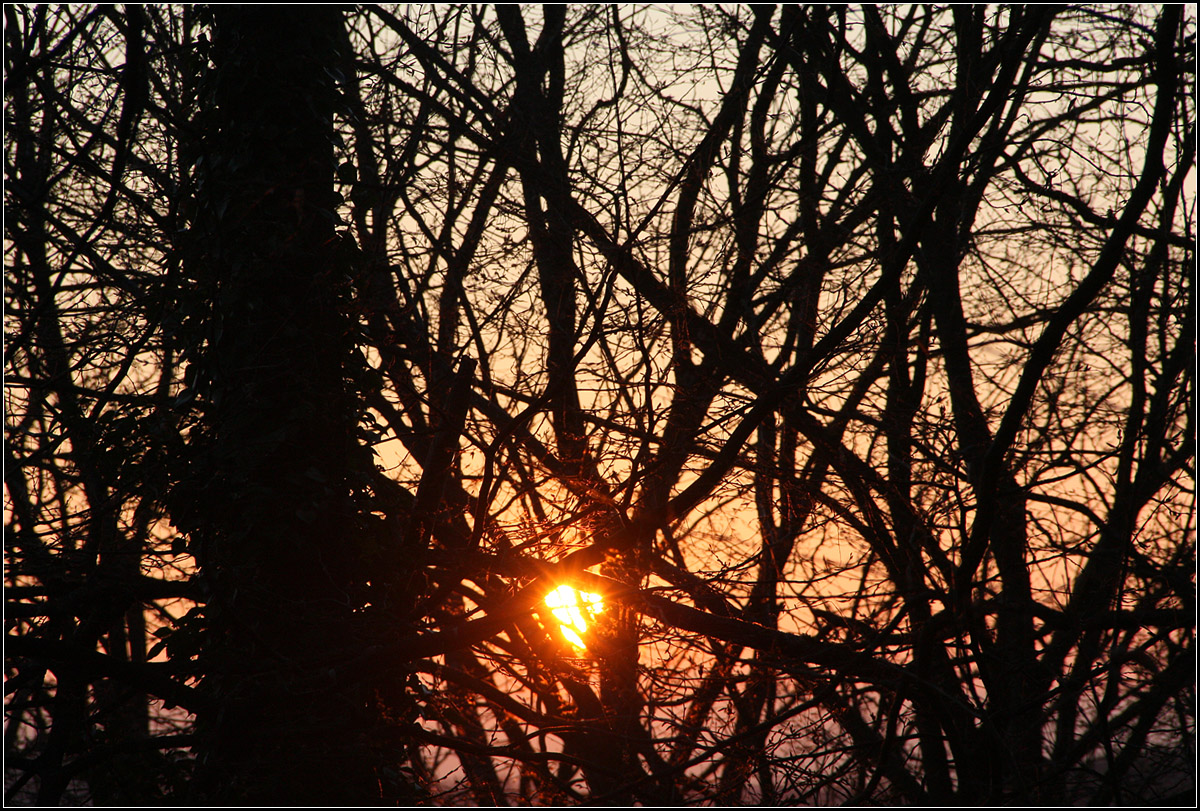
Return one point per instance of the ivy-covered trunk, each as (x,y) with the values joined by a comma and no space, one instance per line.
(274,524)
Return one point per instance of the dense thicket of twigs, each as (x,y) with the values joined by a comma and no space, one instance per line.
(849,352)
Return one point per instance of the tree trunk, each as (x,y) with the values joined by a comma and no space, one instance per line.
(277,527)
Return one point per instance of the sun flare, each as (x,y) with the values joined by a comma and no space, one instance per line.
(574,610)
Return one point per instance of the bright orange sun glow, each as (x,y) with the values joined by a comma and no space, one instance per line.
(574,610)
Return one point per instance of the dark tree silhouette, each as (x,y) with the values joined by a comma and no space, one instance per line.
(846,353)
(269,497)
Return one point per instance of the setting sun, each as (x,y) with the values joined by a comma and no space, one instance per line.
(574,609)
